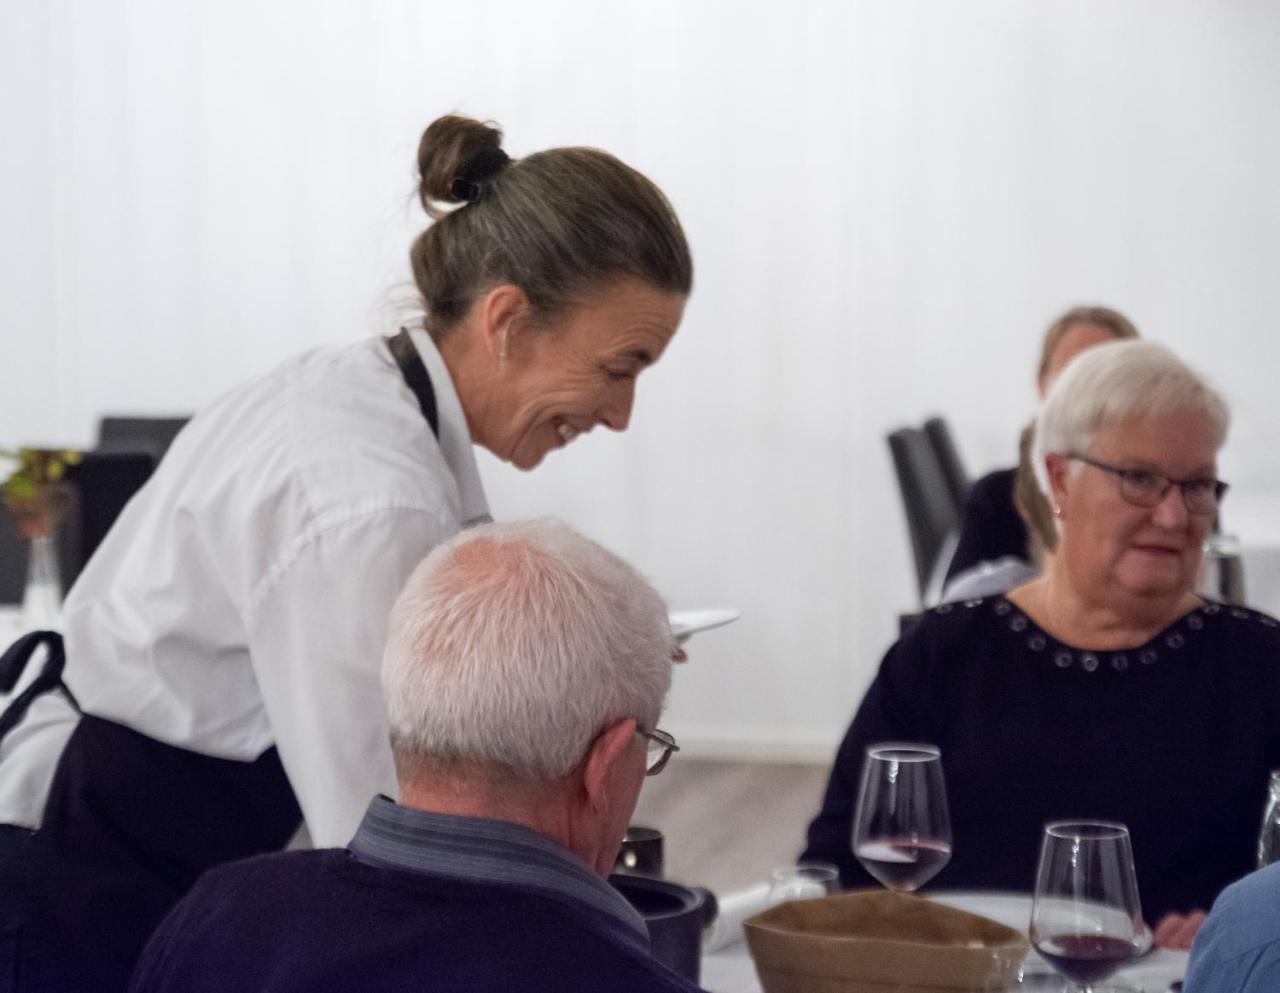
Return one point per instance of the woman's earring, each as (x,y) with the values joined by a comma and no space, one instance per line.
(1057,510)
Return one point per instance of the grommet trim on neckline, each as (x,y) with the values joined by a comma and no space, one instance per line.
(1065,657)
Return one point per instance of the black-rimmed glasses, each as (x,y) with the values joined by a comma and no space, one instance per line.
(1144,488)
(661,745)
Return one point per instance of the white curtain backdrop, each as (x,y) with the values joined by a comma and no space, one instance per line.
(888,200)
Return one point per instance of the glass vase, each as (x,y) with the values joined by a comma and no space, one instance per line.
(42,597)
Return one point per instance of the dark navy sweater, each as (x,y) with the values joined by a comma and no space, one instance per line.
(325,921)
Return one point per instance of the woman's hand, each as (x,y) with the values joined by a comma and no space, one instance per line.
(1178,930)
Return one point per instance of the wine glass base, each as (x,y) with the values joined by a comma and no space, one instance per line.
(1051,982)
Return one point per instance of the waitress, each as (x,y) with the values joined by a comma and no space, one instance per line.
(222,646)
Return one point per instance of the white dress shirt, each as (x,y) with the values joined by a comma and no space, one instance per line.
(241,599)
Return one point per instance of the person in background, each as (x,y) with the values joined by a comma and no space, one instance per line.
(1238,948)
(221,677)
(1006,529)
(524,675)
(1106,688)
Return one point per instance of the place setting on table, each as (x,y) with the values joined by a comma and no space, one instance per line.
(1080,931)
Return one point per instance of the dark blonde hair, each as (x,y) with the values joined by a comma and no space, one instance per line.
(556,224)
(1114,321)
(1027,496)
(1032,505)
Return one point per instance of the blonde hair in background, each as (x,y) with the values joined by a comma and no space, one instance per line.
(1104,317)
(1031,503)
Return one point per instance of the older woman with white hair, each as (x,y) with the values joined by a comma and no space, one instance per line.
(1106,688)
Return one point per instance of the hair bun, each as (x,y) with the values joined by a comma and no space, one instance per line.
(455,157)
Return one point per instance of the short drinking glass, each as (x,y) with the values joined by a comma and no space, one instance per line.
(803,882)
(901,829)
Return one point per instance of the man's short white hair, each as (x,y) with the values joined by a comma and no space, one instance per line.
(513,645)
(1113,383)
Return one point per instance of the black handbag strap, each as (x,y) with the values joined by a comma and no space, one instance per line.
(415,376)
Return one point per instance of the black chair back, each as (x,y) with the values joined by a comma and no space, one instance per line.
(105,482)
(152,435)
(13,558)
(931,512)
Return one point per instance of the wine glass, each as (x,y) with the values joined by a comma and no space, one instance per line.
(901,830)
(805,881)
(1086,919)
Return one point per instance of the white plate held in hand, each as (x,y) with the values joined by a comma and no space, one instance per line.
(686,623)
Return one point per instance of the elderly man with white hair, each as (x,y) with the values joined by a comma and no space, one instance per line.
(525,670)
(1106,689)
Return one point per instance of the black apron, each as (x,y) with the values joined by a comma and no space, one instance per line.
(130,823)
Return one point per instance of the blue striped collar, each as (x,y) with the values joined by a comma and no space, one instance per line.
(485,850)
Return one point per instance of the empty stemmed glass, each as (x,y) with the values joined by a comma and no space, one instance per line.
(1086,919)
(901,830)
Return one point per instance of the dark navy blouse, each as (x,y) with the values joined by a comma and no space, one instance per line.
(1175,738)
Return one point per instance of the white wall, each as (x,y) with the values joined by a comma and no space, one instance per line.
(887,201)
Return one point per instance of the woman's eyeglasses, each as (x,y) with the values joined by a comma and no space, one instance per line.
(1144,488)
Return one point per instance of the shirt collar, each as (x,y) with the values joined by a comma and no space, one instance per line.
(485,850)
(455,438)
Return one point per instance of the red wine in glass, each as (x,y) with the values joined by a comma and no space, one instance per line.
(901,828)
(1086,958)
(1086,919)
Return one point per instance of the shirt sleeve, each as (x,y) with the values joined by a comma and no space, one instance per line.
(1238,948)
(316,638)
(887,713)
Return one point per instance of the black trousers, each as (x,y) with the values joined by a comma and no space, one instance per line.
(129,825)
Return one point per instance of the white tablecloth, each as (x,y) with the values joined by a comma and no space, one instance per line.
(730,969)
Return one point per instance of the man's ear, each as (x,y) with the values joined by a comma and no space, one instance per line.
(607,752)
(500,312)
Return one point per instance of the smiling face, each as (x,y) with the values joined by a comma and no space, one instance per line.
(1108,545)
(553,383)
